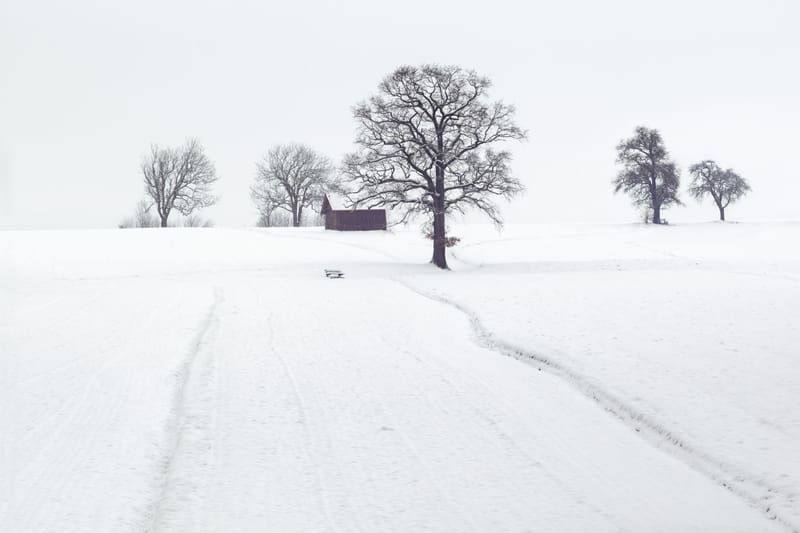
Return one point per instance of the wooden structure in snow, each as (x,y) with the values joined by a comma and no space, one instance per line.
(352,219)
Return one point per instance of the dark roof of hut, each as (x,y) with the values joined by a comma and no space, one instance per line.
(326,205)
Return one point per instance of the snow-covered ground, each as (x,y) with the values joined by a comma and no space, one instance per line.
(560,378)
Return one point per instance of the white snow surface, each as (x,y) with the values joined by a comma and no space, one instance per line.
(558,378)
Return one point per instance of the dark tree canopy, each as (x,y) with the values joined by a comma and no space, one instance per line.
(425,147)
(648,175)
(724,186)
(291,178)
(179,178)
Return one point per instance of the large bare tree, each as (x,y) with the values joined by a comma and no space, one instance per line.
(648,174)
(291,178)
(179,178)
(724,186)
(425,147)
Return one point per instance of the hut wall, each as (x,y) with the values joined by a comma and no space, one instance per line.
(358,220)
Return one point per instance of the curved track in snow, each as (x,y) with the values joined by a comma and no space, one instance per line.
(754,491)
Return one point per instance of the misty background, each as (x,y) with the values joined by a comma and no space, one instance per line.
(86,87)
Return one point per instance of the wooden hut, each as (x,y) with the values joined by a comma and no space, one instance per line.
(352,219)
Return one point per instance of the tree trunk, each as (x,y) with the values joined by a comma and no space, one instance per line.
(163,221)
(439,240)
(439,232)
(656,214)
(295,218)
(721,213)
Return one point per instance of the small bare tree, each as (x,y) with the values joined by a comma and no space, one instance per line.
(196,221)
(143,218)
(647,174)
(179,178)
(264,196)
(275,219)
(724,186)
(292,178)
(425,148)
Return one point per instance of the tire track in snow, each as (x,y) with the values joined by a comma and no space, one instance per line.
(410,444)
(478,410)
(187,431)
(755,491)
(308,440)
(56,472)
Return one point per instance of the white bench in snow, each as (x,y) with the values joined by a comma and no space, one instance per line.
(334,273)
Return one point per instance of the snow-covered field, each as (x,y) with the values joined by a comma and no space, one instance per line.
(560,378)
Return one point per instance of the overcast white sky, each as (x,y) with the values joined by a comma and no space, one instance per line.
(86,87)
